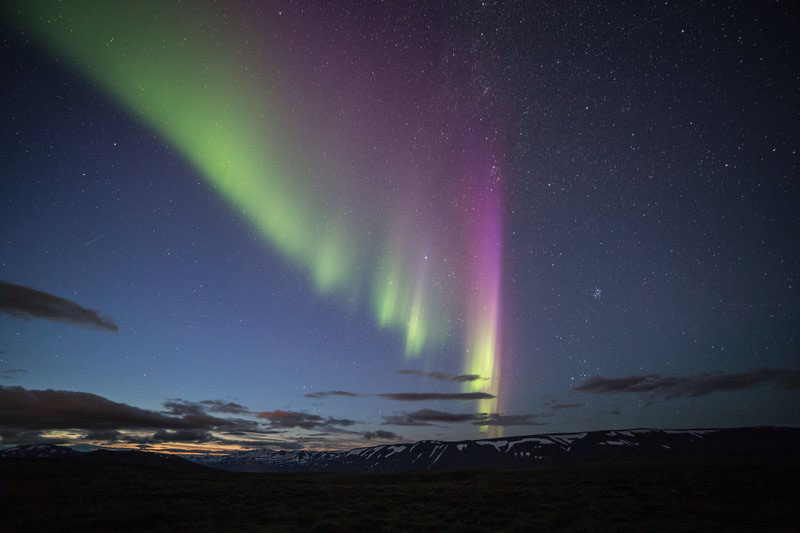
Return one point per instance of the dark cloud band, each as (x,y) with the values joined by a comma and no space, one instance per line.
(429,417)
(430,396)
(21,408)
(441,376)
(326,394)
(299,419)
(24,410)
(26,302)
(701,385)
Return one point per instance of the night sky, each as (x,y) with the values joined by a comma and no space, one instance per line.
(300,225)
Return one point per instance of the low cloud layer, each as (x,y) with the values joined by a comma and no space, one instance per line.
(441,376)
(692,386)
(28,415)
(30,303)
(11,436)
(21,408)
(68,417)
(430,417)
(195,436)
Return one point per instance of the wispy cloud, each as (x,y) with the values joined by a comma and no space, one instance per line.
(426,417)
(693,386)
(299,419)
(219,406)
(562,406)
(11,373)
(14,436)
(441,376)
(407,396)
(496,419)
(26,302)
(326,394)
(429,417)
(380,434)
(195,414)
(430,396)
(158,437)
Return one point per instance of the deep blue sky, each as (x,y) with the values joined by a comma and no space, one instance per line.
(651,211)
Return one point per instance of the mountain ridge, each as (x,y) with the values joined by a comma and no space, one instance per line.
(764,443)
(761,444)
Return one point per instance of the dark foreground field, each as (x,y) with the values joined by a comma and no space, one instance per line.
(53,495)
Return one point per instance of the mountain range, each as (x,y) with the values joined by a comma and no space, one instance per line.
(774,445)
(127,458)
(756,444)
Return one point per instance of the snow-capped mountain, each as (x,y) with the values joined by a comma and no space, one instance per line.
(269,460)
(100,457)
(759,444)
(38,450)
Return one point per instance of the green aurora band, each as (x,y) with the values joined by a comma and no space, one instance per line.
(227,115)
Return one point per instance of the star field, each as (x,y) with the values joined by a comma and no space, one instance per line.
(394,221)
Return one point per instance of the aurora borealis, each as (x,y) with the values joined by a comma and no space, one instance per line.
(429,260)
(420,183)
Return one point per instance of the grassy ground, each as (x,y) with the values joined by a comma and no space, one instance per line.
(42,495)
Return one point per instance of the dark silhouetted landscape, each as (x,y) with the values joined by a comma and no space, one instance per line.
(56,489)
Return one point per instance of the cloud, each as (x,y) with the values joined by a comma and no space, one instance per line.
(379,434)
(290,445)
(55,409)
(180,407)
(158,437)
(11,373)
(299,419)
(403,420)
(339,421)
(692,386)
(11,436)
(184,435)
(33,416)
(218,406)
(110,435)
(441,376)
(42,410)
(562,406)
(194,413)
(496,419)
(23,301)
(239,433)
(408,396)
(332,393)
(426,396)
(176,406)
(428,417)
(28,416)
(425,417)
